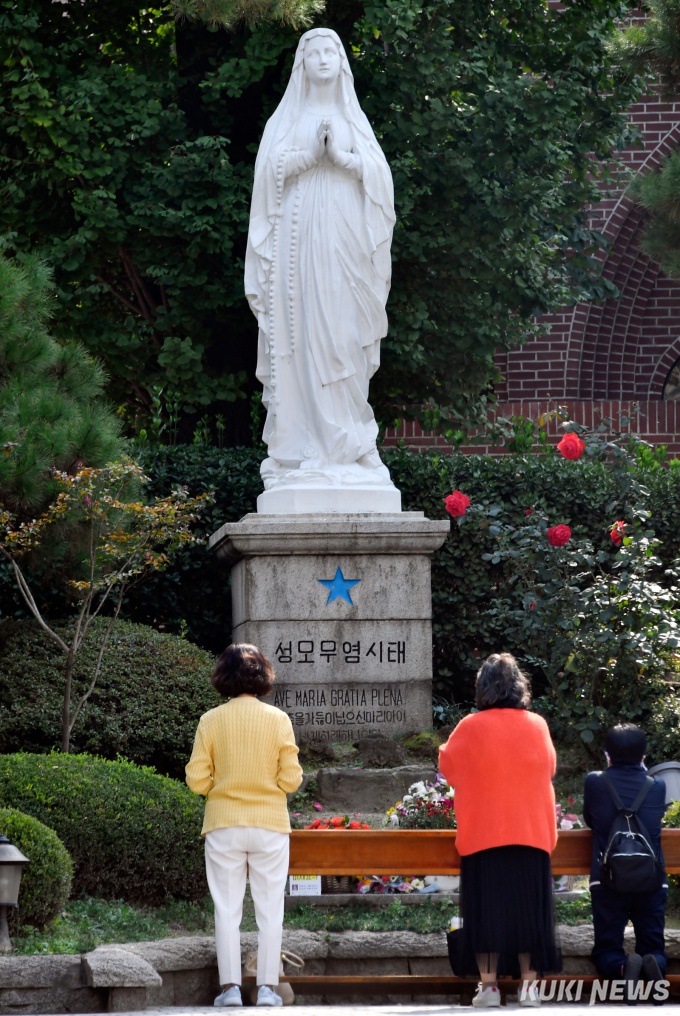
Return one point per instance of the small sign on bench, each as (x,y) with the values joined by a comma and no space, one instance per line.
(305,885)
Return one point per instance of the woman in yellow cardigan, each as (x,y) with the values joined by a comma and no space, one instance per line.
(245,760)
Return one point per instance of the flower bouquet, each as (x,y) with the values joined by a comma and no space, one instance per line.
(337,822)
(390,884)
(426,806)
(567,820)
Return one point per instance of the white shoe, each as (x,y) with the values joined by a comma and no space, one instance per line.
(266,996)
(230,996)
(530,997)
(486,998)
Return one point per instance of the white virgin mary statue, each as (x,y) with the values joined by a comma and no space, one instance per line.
(317,277)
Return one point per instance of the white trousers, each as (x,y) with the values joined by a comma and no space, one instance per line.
(227,851)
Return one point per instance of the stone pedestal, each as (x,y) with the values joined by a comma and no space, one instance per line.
(341,605)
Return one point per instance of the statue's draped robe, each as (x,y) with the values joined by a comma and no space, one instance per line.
(317,278)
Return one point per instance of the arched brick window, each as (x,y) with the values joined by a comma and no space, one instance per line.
(671,388)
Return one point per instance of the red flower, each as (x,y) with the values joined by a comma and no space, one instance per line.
(559,535)
(528,512)
(456,503)
(532,605)
(571,446)
(354,825)
(364,826)
(337,821)
(618,532)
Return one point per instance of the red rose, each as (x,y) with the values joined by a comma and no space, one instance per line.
(364,826)
(559,535)
(456,503)
(571,446)
(528,512)
(354,825)
(618,532)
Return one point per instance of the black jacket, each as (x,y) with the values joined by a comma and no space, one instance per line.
(599,810)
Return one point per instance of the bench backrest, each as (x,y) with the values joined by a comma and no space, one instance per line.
(428,852)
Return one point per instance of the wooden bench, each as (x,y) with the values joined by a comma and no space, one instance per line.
(425,852)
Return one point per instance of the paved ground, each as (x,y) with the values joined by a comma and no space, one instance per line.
(407,1010)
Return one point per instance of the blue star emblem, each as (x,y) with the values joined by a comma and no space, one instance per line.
(339,587)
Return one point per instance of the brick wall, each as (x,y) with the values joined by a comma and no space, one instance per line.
(625,348)
(602,360)
(655,421)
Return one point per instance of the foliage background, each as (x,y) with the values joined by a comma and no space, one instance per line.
(193,596)
(127,148)
(464,585)
(152,690)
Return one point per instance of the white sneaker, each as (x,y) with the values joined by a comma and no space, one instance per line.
(530,997)
(266,996)
(486,998)
(230,996)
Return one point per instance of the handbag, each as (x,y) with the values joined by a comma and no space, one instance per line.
(283,989)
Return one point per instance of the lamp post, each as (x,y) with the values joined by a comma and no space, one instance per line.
(11,866)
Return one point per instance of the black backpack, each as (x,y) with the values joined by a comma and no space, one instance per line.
(629,864)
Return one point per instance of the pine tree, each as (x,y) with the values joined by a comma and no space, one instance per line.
(52,413)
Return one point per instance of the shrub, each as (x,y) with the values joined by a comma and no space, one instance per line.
(464,586)
(195,588)
(663,729)
(132,834)
(146,705)
(46,879)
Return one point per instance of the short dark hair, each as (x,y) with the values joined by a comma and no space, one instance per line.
(242,669)
(501,684)
(626,743)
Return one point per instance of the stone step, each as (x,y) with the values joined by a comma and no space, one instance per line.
(331,900)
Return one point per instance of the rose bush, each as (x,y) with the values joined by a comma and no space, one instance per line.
(558,536)
(618,532)
(571,446)
(594,623)
(457,504)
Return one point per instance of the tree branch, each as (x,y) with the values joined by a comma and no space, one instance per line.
(100,656)
(145,302)
(30,602)
(119,296)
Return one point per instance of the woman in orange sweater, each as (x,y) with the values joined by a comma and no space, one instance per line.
(500,762)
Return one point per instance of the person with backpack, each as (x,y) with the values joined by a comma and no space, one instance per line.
(624,807)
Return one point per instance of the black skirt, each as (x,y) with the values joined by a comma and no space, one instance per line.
(507,909)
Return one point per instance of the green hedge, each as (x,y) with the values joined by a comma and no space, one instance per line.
(464,586)
(150,695)
(195,589)
(46,879)
(132,834)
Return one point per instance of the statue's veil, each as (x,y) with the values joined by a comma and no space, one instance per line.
(376,175)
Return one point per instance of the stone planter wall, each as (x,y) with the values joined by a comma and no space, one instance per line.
(183,971)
